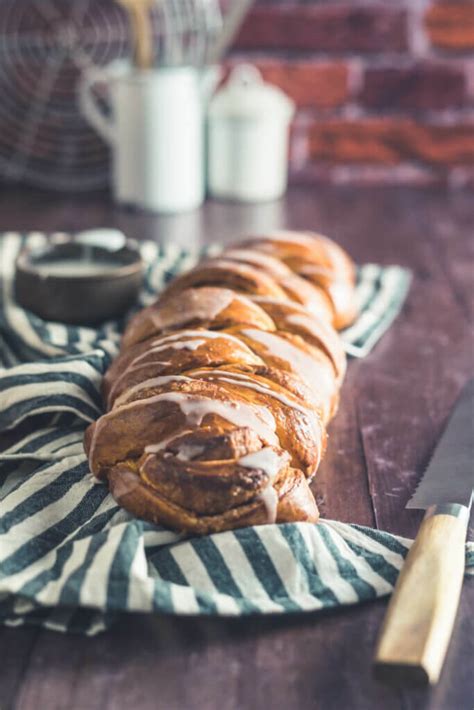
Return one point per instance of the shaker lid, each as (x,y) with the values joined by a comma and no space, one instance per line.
(247,96)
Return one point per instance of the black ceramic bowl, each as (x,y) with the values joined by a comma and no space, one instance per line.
(78,282)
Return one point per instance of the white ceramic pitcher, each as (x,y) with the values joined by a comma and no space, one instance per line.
(155,127)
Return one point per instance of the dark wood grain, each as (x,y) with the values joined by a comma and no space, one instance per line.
(16,651)
(394,406)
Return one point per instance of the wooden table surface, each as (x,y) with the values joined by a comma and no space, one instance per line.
(394,406)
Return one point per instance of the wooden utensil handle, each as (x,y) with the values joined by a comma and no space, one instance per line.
(141,26)
(421,613)
(143,37)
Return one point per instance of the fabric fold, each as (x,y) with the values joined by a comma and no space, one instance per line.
(71,560)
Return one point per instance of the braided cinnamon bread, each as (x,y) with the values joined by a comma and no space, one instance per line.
(218,402)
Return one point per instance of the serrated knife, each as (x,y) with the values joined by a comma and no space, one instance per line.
(420,617)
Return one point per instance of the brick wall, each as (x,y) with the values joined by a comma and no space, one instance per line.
(385,90)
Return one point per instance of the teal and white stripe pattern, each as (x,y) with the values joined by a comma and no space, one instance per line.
(380,294)
(71,560)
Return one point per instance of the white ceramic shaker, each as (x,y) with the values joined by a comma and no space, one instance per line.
(155,128)
(248,138)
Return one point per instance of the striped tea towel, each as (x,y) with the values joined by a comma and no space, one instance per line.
(71,560)
(380,294)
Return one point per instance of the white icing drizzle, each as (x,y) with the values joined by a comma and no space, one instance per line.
(313,372)
(245,381)
(154,448)
(184,340)
(203,304)
(209,334)
(157,319)
(152,382)
(317,330)
(300,316)
(332,251)
(128,370)
(307,294)
(284,236)
(195,408)
(187,452)
(145,364)
(245,269)
(207,303)
(315,270)
(237,378)
(305,365)
(269,498)
(174,341)
(256,258)
(275,301)
(321,331)
(95,432)
(266,460)
(176,345)
(308,323)
(126,483)
(335,288)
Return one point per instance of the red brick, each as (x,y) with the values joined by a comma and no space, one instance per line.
(462,178)
(371,175)
(341,27)
(421,86)
(391,141)
(450,25)
(318,84)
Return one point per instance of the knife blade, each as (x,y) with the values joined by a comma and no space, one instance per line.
(421,613)
(449,477)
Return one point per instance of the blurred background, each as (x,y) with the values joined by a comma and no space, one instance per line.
(384,90)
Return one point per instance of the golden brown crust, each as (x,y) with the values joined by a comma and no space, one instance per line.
(218,402)
(295,503)
(205,307)
(321,262)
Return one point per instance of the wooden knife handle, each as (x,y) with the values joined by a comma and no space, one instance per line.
(421,613)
